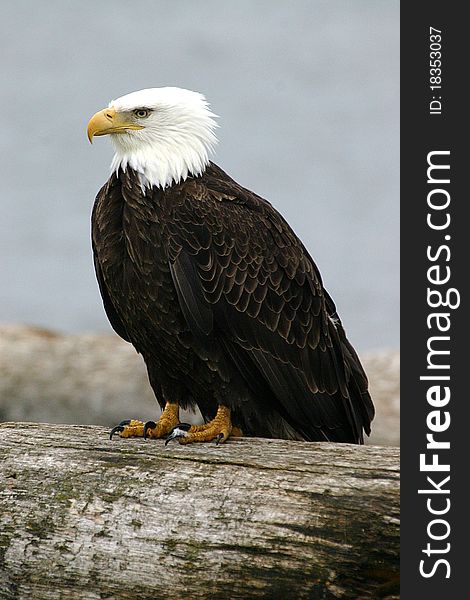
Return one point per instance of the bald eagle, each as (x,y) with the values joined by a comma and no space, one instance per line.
(214,289)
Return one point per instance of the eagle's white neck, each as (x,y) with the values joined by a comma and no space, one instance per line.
(176,140)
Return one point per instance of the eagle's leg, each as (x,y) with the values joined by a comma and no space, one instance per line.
(218,429)
(167,421)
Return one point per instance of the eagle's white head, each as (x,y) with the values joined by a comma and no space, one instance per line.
(165,134)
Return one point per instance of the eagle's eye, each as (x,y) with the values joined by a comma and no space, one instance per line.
(141,113)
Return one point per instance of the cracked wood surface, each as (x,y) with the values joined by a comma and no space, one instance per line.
(84,517)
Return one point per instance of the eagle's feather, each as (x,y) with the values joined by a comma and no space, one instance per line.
(225,304)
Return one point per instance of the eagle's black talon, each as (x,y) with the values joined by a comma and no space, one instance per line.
(184,426)
(116,429)
(147,426)
(119,427)
(177,432)
(219,438)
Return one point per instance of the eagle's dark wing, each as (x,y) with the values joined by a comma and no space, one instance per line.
(242,274)
(114,318)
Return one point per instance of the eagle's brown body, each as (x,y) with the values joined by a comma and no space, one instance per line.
(217,293)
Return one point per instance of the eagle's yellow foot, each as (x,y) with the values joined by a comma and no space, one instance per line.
(165,424)
(128,428)
(219,429)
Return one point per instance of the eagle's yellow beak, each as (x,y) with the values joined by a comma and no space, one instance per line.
(108,121)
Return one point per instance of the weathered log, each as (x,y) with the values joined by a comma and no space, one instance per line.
(84,517)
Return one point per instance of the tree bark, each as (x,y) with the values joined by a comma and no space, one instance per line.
(83,517)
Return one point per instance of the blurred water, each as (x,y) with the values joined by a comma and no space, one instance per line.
(308,94)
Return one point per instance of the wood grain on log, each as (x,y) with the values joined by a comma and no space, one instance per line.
(84,517)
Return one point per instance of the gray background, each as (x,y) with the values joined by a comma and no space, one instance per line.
(308,95)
